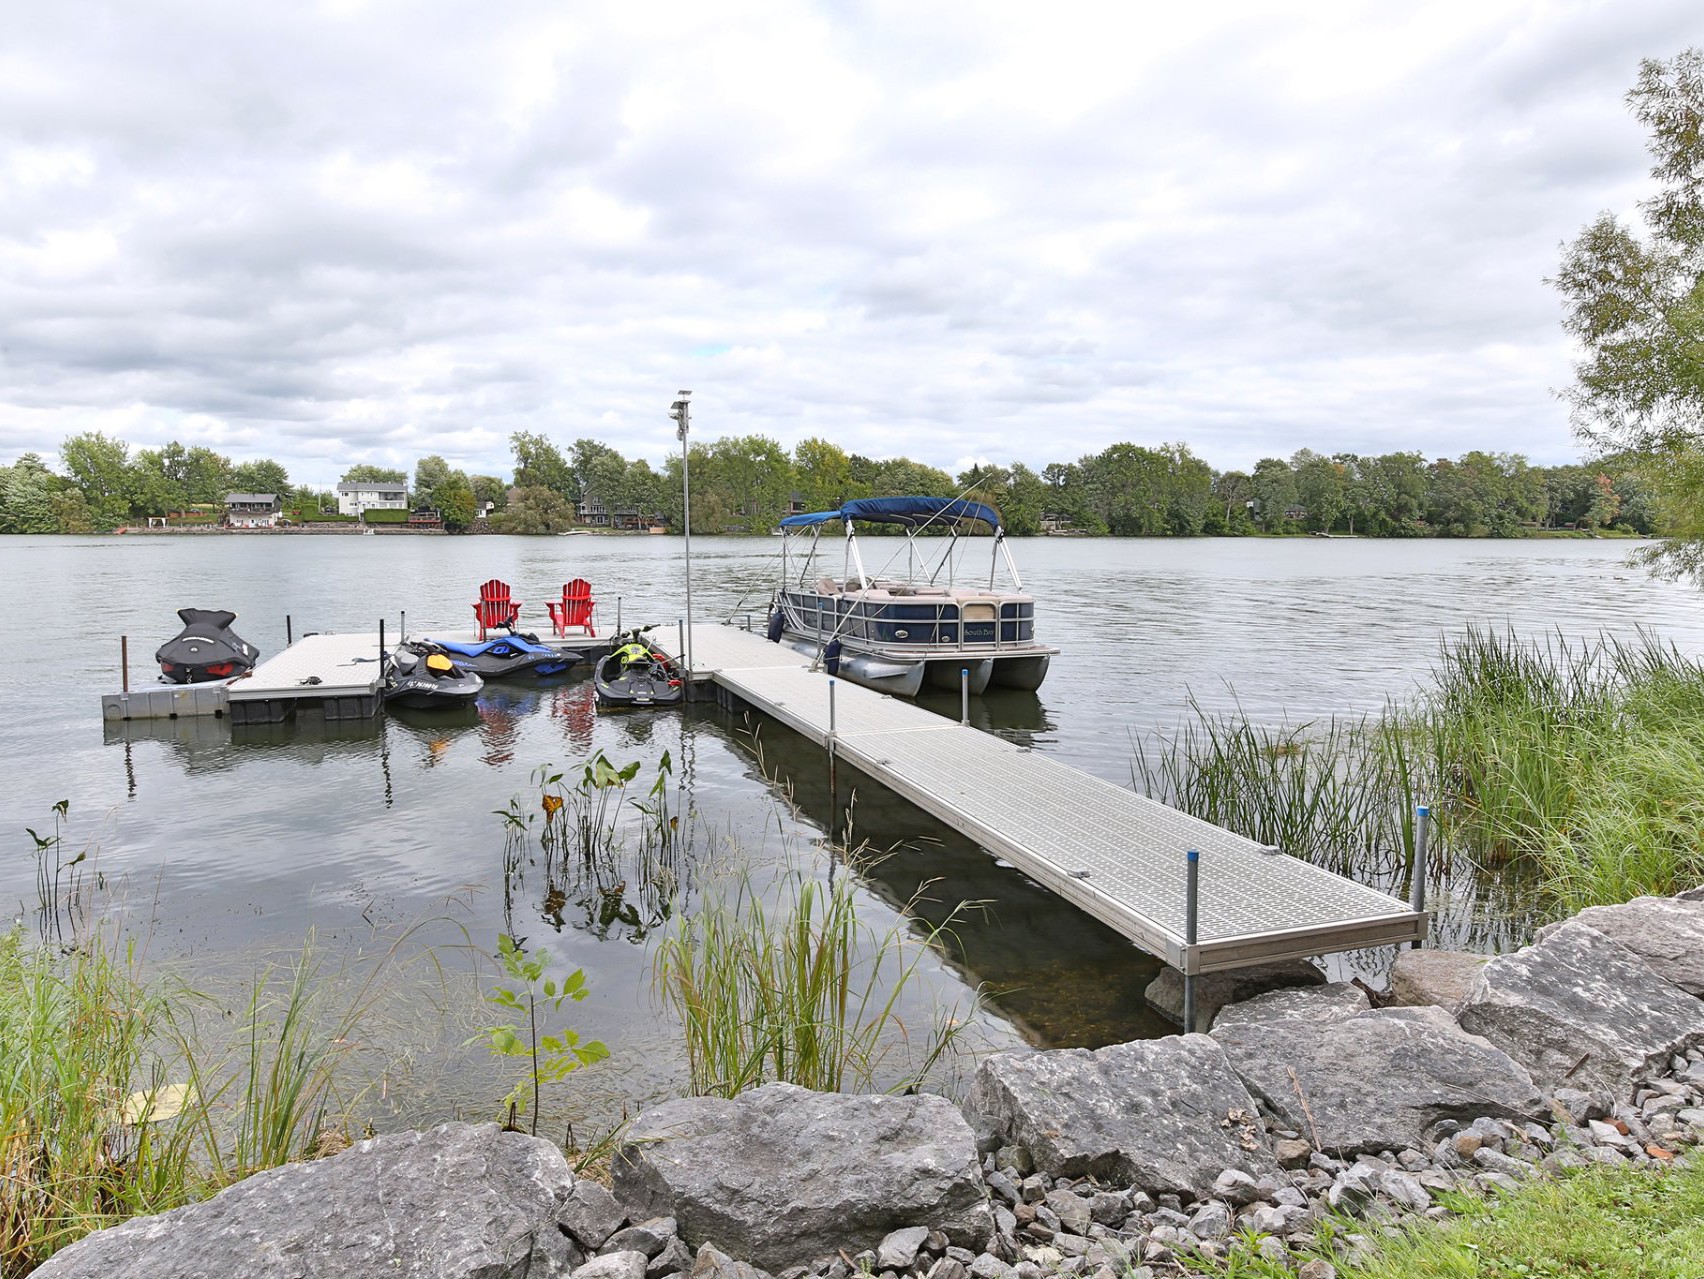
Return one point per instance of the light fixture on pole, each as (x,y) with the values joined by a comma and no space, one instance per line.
(680,412)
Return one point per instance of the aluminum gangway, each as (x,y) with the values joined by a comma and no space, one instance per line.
(1117,855)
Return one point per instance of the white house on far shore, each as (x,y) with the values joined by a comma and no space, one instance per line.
(252,510)
(371,495)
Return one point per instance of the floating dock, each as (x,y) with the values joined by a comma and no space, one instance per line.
(341,674)
(1117,855)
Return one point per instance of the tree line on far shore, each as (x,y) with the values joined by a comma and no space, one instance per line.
(746,484)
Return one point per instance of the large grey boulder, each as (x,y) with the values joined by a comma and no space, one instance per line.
(1214,990)
(1666,932)
(459,1202)
(1166,1115)
(1580,1010)
(1336,1001)
(1436,978)
(1379,1080)
(781,1175)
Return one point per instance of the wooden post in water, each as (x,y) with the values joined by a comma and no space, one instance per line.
(124,660)
(289,638)
(1417,882)
(381,643)
(1191,903)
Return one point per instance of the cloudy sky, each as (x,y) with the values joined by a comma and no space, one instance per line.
(365,231)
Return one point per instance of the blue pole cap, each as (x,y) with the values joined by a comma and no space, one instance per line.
(1194,855)
(1422,810)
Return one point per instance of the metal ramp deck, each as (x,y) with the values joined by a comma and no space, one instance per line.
(1113,853)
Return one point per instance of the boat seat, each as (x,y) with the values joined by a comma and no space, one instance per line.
(827,586)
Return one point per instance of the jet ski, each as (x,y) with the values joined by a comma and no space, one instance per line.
(635,674)
(205,649)
(418,676)
(511,656)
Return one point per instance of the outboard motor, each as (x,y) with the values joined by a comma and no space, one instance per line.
(776,624)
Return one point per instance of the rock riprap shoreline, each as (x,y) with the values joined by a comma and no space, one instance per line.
(1303,1103)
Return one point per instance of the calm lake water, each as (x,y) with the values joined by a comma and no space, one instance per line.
(220,848)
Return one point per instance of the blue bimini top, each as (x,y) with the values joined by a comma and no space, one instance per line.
(910,511)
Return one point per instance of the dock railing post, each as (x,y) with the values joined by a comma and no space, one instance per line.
(1417,883)
(1191,903)
(964,696)
(124,660)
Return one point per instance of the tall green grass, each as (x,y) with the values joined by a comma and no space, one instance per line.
(788,983)
(122,1096)
(1578,765)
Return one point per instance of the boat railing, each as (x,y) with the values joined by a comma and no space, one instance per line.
(887,623)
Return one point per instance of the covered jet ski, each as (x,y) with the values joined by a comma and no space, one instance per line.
(418,676)
(205,649)
(635,674)
(511,656)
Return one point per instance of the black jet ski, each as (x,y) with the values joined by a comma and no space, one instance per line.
(205,649)
(418,676)
(635,674)
(511,656)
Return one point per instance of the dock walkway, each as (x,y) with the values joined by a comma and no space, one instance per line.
(1111,852)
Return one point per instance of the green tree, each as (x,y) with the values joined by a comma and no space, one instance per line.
(453,498)
(156,484)
(822,473)
(598,471)
(539,464)
(429,473)
(1234,492)
(1321,489)
(262,475)
(488,488)
(368,473)
(536,510)
(26,497)
(71,513)
(206,475)
(100,469)
(1274,485)
(1634,300)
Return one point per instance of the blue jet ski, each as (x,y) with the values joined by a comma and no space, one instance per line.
(512,656)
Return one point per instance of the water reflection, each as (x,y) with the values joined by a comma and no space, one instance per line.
(1060,976)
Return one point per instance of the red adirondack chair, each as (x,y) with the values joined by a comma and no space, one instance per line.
(495,608)
(574,609)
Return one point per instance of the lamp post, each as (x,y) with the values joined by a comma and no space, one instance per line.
(680,412)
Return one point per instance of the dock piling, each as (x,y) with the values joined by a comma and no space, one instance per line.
(1191,904)
(381,643)
(289,637)
(618,614)
(1417,883)
(124,660)
(964,696)
(831,714)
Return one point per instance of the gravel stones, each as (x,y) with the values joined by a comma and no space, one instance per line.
(1168,1115)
